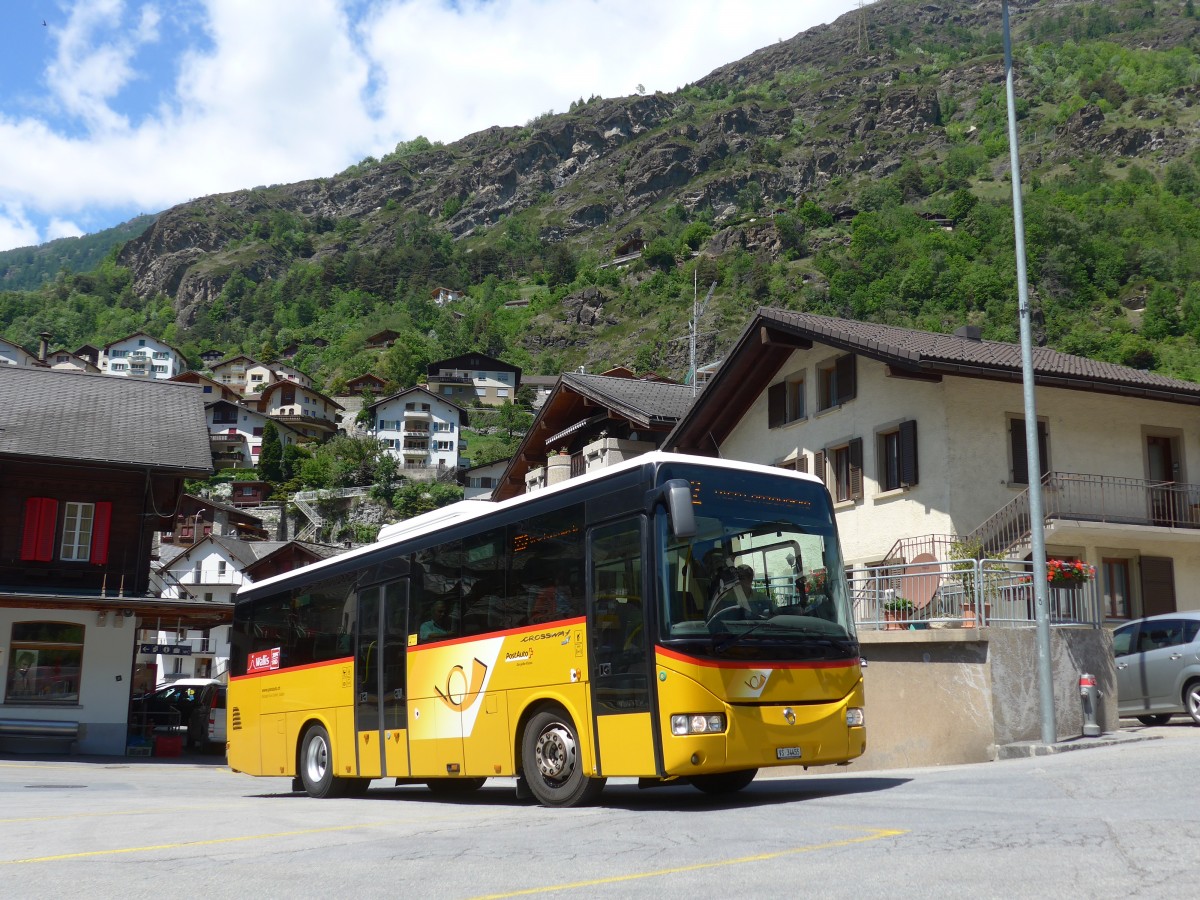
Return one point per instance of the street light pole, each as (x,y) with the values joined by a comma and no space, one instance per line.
(1033,457)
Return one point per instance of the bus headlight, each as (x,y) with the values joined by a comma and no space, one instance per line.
(854,717)
(697,723)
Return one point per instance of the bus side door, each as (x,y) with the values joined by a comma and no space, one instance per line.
(619,658)
(380,710)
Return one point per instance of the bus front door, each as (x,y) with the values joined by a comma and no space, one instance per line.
(618,629)
(380,710)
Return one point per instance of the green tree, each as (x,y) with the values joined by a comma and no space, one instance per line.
(270,457)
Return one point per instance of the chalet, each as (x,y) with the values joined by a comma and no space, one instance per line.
(242,374)
(198,517)
(373,384)
(63,359)
(474,377)
(209,387)
(208,357)
(140,355)
(236,432)
(12,354)
(381,340)
(920,438)
(421,429)
(90,353)
(590,422)
(304,409)
(444,295)
(90,468)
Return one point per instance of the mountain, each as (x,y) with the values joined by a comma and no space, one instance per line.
(859,169)
(24,268)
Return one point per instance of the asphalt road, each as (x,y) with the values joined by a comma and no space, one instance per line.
(1118,820)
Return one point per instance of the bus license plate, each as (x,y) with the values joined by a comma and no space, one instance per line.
(787,753)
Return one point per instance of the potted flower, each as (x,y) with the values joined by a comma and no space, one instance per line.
(1068,573)
(895,611)
(815,582)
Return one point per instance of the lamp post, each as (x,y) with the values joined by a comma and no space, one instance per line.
(1037,538)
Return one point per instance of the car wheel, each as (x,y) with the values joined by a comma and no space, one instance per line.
(316,765)
(1158,719)
(454,785)
(724,782)
(1191,700)
(550,762)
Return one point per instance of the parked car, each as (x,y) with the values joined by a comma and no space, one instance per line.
(1158,667)
(210,696)
(218,722)
(169,707)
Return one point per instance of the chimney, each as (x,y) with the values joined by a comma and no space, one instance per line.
(970,332)
(44,345)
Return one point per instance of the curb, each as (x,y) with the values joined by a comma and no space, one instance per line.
(1027,749)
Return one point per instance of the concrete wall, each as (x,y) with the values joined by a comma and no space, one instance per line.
(936,698)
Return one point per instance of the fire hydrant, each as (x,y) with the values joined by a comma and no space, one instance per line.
(1089,695)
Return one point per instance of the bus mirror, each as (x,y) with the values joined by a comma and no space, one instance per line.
(679,506)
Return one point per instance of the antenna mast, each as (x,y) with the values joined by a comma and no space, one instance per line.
(697,309)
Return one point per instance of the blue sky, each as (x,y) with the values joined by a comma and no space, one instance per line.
(117,107)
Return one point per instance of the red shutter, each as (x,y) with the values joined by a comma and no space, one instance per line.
(101,527)
(37,539)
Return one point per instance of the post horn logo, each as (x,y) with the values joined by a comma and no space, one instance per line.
(461,693)
(756,681)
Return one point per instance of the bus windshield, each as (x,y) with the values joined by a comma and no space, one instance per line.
(762,578)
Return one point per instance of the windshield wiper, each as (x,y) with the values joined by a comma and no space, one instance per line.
(808,636)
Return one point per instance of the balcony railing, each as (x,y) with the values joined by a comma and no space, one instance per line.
(964,593)
(1092,498)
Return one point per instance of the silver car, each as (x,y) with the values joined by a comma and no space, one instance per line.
(1158,667)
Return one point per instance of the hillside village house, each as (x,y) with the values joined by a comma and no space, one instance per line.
(473,377)
(236,432)
(198,517)
(12,354)
(63,358)
(920,435)
(90,468)
(304,409)
(590,422)
(421,429)
(479,481)
(140,355)
(249,377)
(211,388)
(212,570)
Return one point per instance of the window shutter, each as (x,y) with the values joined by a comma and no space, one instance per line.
(802,463)
(1043,452)
(37,538)
(101,529)
(776,405)
(819,464)
(847,389)
(856,473)
(908,453)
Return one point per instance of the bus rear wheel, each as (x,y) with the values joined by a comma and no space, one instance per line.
(550,762)
(724,782)
(316,765)
(454,785)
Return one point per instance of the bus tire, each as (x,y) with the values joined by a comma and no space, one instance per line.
(454,785)
(316,765)
(724,782)
(551,763)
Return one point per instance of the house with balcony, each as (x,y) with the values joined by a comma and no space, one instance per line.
(91,468)
(198,517)
(141,355)
(211,571)
(590,422)
(236,430)
(474,377)
(303,409)
(421,429)
(920,438)
(243,374)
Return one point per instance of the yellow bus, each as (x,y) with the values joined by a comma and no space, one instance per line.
(672,618)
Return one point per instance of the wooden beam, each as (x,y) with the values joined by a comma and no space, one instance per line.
(769,337)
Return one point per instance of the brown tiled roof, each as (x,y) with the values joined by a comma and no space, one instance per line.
(950,353)
(644,402)
(78,416)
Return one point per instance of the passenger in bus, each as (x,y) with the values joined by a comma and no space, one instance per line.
(560,600)
(743,596)
(439,624)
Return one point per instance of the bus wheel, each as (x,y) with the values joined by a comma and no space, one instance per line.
(724,782)
(550,761)
(454,785)
(316,764)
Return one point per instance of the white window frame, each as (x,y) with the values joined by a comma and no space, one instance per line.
(78,520)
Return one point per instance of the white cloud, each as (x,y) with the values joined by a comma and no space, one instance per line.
(283,90)
(60,228)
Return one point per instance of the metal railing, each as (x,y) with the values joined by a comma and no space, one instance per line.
(964,594)
(1092,498)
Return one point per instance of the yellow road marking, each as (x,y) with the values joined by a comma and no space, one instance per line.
(875,835)
(181,844)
